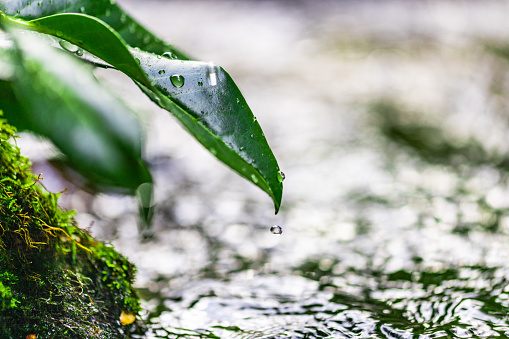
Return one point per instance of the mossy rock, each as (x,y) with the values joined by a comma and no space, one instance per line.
(56,281)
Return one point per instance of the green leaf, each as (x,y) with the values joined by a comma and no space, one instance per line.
(202,96)
(130,30)
(210,106)
(56,96)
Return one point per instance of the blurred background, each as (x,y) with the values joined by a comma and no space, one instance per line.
(390,120)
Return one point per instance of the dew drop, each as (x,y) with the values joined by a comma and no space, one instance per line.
(213,151)
(177,80)
(79,52)
(59,33)
(200,83)
(162,71)
(241,148)
(254,178)
(212,75)
(276,229)
(68,46)
(238,101)
(280,176)
(252,136)
(138,61)
(168,55)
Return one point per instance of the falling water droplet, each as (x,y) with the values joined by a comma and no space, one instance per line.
(79,52)
(280,176)
(177,80)
(68,46)
(200,83)
(162,71)
(276,229)
(254,178)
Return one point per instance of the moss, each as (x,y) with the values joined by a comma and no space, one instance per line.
(56,281)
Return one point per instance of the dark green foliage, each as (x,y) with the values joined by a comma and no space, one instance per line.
(56,281)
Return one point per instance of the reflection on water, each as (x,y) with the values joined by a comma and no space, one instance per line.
(390,122)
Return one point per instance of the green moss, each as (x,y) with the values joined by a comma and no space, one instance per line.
(56,281)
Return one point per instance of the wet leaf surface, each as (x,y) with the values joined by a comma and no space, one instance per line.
(203,97)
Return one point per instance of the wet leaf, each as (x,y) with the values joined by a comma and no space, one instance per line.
(56,96)
(201,95)
(130,30)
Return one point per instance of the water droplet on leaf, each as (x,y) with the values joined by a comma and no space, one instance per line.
(254,178)
(59,33)
(162,71)
(200,83)
(276,229)
(123,19)
(280,176)
(108,12)
(177,80)
(82,9)
(238,101)
(68,46)
(39,4)
(168,55)
(213,151)
(212,75)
